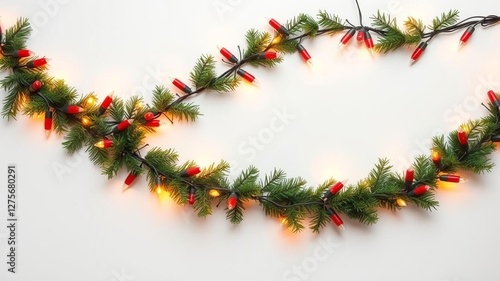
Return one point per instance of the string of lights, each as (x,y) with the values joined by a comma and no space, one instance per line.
(114,131)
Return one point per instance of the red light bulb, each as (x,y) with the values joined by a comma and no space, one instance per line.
(72,109)
(247,76)
(494,99)
(467,34)
(278,27)
(463,140)
(409,177)
(334,190)
(48,122)
(122,126)
(21,53)
(418,52)
(189,172)
(335,218)
(153,123)
(368,40)
(36,63)
(436,159)
(232,201)
(129,180)
(35,86)
(451,178)
(104,105)
(179,84)
(361,35)
(104,144)
(191,198)
(149,116)
(228,55)
(419,191)
(347,37)
(267,56)
(304,54)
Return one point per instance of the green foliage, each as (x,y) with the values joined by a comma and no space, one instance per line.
(357,203)
(162,98)
(133,107)
(385,185)
(425,170)
(445,20)
(295,24)
(257,42)
(330,22)
(224,84)
(319,218)
(394,37)
(203,204)
(203,72)
(285,46)
(414,27)
(75,139)
(309,26)
(117,110)
(15,39)
(425,201)
(185,111)
(246,183)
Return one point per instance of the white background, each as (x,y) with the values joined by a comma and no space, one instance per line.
(349,110)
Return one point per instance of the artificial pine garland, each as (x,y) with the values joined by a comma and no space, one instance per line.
(114,131)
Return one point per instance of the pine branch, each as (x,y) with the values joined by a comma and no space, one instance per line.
(256,42)
(75,139)
(162,98)
(203,203)
(185,111)
(309,26)
(357,203)
(295,24)
(16,36)
(203,72)
(394,37)
(330,22)
(319,219)
(414,27)
(445,20)
(117,110)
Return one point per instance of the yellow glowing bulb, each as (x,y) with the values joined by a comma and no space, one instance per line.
(140,104)
(99,144)
(435,156)
(90,100)
(159,189)
(85,121)
(276,40)
(401,202)
(284,221)
(214,193)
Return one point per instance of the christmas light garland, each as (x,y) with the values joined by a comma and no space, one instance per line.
(114,131)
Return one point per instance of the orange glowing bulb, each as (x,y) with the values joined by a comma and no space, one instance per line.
(435,156)
(276,40)
(401,202)
(85,121)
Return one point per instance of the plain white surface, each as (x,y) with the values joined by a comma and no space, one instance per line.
(347,112)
